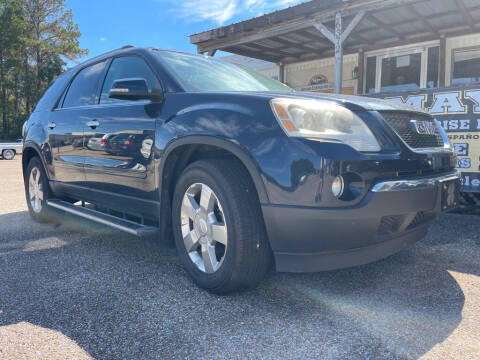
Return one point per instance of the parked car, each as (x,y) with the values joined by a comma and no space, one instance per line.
(124,144)
(9,150)
(244,171)
(97,142)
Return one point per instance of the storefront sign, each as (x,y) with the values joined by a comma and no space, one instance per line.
(316,83)
(458,110)
(318,80)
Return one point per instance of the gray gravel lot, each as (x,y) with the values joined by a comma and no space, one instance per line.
(80,291)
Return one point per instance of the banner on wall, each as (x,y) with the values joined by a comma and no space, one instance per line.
(458,110)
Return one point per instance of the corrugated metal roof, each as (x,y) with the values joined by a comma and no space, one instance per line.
(286,14)
(254,64)
(288,35)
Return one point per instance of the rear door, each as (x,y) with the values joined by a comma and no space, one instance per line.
(121,162)
(66,125)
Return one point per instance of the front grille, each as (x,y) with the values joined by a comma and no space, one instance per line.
(400,122)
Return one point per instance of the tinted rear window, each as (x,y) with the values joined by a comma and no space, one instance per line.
(83,89)
(51,95)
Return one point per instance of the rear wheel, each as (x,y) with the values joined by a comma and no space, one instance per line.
(37,190)
(218,226)
(8,154)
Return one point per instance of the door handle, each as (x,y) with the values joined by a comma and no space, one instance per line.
(93,124)
(51,125)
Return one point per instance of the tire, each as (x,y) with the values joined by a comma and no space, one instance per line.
(8,154)
(38,209)
(245,256)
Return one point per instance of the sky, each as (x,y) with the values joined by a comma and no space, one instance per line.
(111,24)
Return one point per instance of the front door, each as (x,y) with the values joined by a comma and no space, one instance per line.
(118,150)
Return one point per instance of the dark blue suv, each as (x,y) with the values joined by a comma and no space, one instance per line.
(242,171)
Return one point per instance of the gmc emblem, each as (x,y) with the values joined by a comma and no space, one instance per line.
(424,127)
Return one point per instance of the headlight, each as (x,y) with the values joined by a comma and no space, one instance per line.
(23,128)
(324,121)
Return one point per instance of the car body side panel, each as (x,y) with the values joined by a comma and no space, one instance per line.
(123,161)
(66,144)
(215,120)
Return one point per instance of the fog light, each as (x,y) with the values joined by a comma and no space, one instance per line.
(337,186)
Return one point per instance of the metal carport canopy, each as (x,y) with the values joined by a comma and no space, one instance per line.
(309,30)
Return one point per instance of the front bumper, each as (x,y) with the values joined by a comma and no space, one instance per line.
(393,215)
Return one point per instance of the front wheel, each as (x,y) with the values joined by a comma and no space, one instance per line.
(37,190)
(8,154)
(218,226)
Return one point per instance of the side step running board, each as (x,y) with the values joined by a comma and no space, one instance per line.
(128,226)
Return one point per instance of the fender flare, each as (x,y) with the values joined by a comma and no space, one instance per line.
(34,146)
(229,145)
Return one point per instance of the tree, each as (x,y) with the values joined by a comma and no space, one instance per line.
(51,35)
(36,37)
(12,23)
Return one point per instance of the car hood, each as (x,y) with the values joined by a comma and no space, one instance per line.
(354,103)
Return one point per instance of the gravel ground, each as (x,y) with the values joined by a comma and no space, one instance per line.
(81,291)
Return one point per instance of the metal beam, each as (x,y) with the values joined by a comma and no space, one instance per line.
(266,48)
(337,39)
(466,15)
(389,27)
(313,37)
(252,54)
(322,40)
(424,19)
(414,19)
(290,44)
(326,31)
(338,54)
(353,24)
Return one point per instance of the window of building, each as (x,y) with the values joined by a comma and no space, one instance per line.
(370,74)
(84,87)
(401,73)
(466,66)
(433,66)
(402,69)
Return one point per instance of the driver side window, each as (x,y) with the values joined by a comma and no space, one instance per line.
(126,67)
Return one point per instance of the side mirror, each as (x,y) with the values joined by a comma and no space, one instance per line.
(133,89)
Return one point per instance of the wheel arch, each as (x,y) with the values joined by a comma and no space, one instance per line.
(179,153)
(248,162)
(29,151)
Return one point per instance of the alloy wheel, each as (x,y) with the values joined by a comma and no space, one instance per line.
(204,229)
(8,154)
(35,190)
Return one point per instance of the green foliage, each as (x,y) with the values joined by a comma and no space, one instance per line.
(36,37)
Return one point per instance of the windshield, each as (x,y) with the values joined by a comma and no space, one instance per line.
(201,73)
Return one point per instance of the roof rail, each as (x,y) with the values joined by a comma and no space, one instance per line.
(127,46)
